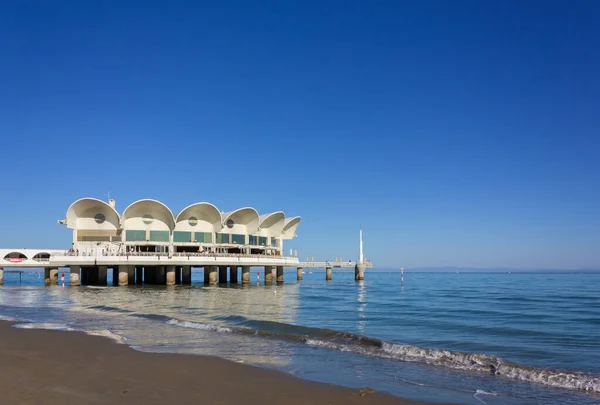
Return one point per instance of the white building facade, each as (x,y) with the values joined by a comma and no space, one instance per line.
(150,226)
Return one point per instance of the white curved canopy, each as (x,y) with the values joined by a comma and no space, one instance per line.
(148,214)
(289,229)
(92,214)
(202,216)
(272,224)
(241,221)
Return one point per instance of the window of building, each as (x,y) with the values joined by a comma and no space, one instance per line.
(274,242)
(147,219)
(159,236)
(238,239)
(262,240)
(222,237)
(99,218)
(253,240)
(193,221)
(135,236)
(203,237)
(182,237)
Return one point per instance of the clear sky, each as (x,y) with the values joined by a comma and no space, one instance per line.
(457,133)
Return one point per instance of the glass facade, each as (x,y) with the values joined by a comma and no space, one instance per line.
(238,239)
(274,242)
(94,238)
(203,237)
(182,237)
(159,236)
(262,240)
(222,238)
(253,240)
(135,236)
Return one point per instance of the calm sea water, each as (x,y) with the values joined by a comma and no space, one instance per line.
(470,338)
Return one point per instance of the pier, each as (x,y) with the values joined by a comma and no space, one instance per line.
(147,244)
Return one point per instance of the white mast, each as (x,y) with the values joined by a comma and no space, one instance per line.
(360,249)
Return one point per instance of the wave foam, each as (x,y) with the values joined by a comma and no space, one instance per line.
(196,325)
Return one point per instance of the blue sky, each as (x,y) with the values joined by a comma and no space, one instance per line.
(459,133)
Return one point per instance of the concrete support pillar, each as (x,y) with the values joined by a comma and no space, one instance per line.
(53,276)
(131,275)
(115,276)
(170,276)
(161,275)
(233,274)
(328,273)
(84,276)
(92,275)
(46,275)
(280,274)
(74,275)
(207,274)
(359,272)
(102,280)
(1,276)
(268,275)
(186,275)
(299,274)
(222,274)
(149,275)
(212,275)
(139,275)
(245,274)
(177,275)
(123,275)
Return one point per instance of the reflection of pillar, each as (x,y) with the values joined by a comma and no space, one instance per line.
(177,275)
(102,275)
(1,276)
(328,273)
(222,274)
(46,275)
(245,274)
(233,274)
(212,277)
(139,275)
(186,275)
(74,275)
(53,276)
(268,274)
(115,275)
(206,274)
(280,274)
(273,273)
(170,275)
(123,275)
(299,274)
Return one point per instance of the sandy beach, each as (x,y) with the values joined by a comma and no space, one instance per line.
(58,367)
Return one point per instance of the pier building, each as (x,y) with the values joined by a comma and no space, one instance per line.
(148,244)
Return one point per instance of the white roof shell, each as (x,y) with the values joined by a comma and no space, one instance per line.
(82,214)
(241,221)
(162,217)
(207,215)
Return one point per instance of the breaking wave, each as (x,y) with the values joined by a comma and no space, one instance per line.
(366,346)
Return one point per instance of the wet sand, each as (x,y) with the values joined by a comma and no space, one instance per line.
(57,367)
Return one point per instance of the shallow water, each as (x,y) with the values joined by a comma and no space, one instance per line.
(470,338)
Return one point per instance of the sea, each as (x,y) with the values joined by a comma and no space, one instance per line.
(493,337)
